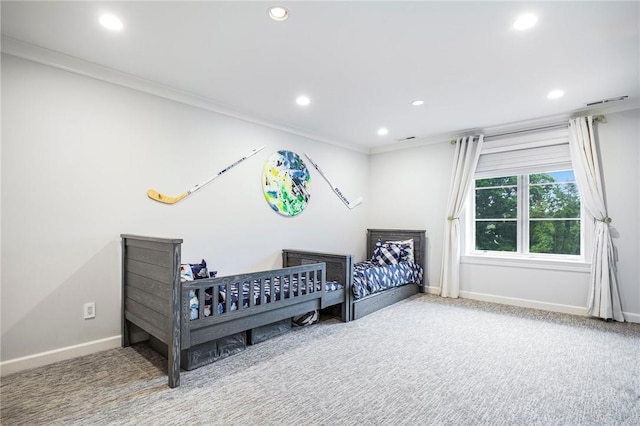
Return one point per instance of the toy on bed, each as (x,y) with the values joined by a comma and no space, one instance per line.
(172,313)
(395,270)
(197,271)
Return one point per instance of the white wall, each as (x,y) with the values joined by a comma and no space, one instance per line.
(620,152)
(409,189)
(419,178)
(78,156)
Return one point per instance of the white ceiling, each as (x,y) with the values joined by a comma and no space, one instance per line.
(360,62)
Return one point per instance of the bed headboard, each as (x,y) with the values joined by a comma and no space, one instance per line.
(419,243)
(337,265)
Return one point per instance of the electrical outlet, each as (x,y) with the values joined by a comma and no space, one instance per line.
(89,310)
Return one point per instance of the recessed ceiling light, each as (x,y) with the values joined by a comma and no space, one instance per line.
(383,131)
(111,22)
(555,94)
(278,13)
(524,22)
(417,103)
(303,100)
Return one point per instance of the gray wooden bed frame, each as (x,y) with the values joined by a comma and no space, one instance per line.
(340,268)
(155,303)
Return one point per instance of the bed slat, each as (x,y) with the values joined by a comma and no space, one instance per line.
(151,328)
(153,243)
(156,272)
(263,307)
(146,255)
(149,300)
(149,285)
(142,311)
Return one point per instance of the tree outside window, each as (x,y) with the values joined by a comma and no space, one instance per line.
(529,213)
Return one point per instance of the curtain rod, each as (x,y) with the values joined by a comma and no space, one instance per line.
(597,118)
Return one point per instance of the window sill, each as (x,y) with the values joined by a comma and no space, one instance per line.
(527,262)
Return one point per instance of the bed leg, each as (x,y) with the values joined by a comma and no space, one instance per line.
(345,312)
(125,334)
(175,339)
(173,366)
(124,326)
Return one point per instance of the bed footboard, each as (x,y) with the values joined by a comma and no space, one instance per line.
(339,268)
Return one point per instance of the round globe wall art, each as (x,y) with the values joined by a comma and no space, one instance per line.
(286,183)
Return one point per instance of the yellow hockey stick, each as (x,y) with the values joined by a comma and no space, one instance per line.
(155,195)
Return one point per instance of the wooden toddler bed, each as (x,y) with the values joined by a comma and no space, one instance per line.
(158,306)
(343,269)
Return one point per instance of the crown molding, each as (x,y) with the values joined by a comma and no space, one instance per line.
(620,106)
(54,59)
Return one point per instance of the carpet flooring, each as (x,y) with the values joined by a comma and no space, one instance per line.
(423,361)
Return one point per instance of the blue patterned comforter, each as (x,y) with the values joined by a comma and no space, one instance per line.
(279,292)
(370,278)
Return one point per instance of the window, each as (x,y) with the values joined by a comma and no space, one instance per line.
(525,199)
(528,213)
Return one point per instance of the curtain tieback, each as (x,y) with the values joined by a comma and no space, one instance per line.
(451,218)
(607,220)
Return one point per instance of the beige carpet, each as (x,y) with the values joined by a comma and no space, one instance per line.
(426,360)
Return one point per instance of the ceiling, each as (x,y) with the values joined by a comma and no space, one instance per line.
(360,62)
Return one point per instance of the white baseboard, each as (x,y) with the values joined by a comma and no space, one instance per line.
(49,357)
(628,316)
(432,289)
(525,303)
(545,306)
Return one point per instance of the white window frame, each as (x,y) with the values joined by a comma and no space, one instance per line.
(522,225)
(505,159)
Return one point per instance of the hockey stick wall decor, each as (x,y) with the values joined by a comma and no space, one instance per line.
(155,195)
(335,189)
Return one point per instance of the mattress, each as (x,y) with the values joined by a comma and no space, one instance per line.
(371,278)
